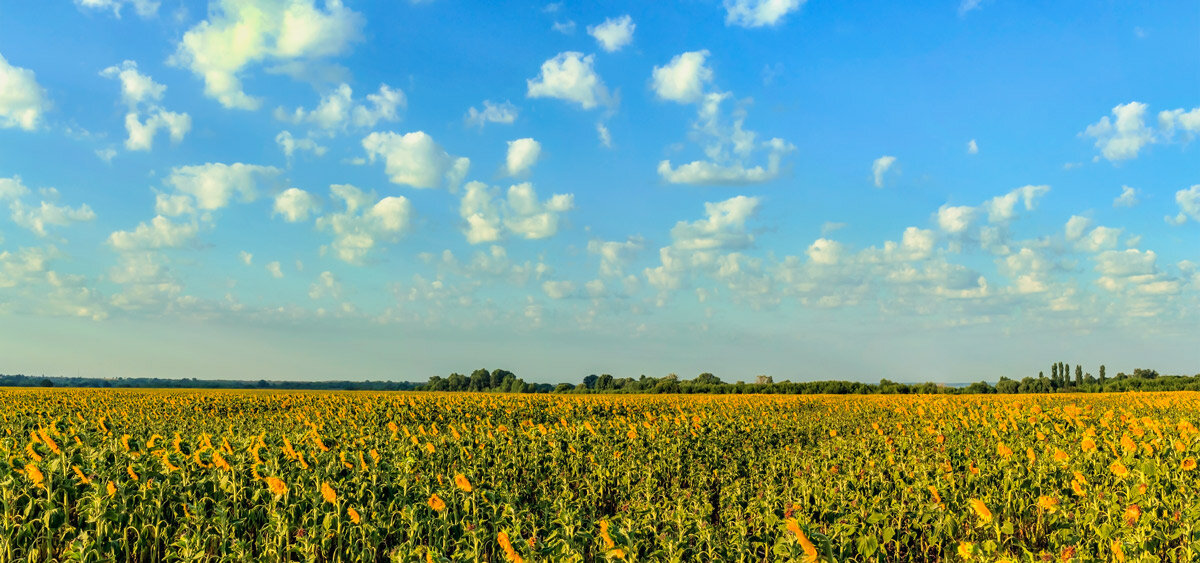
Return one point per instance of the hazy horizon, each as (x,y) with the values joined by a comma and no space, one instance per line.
(313,189)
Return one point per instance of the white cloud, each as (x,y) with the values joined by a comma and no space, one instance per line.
(141,133)
(337,110)
(682,80)
(37,218)
(1122,138)
(1002,209)
(759,13)
(415,159)
(275,270)
(241,33)
(972,147)
(12,188)
(728,148)
(724,227)
(160,232)
(1100,238)
(614,255)
(356,229)
(1128,197)
(955,219)
(327,284)
(214,184)
(295,205)
(136,88)
(532,219)
(558,289)
(1076,226)
(1186,121)
(614,33)
(605,136)
(141,93)
(173,205)
(569,76)
(289,144)
(1189,205)
(880,167)
(520,213)
(1131,262)
(825,251)
(504,113)
(22,100)
(564,27)
(481,214)
(522,155)
(144,8)
(965,6)
(246,257)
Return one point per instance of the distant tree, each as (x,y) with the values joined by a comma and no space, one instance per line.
(590,381)
(1006,385)
(605,382)
(46,383)
(1054,372)
(262,384)
(1102,376)
(764,380)
(1078,375)
(707,379)
(563,388)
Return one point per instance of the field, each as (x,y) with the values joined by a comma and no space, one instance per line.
(199,476)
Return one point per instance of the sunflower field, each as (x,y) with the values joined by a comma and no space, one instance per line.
(108,475)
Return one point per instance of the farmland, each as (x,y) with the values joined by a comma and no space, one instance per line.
(102,475)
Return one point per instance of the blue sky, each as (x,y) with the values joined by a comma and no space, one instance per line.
(317,189)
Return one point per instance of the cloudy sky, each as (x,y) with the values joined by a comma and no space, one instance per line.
(314,189)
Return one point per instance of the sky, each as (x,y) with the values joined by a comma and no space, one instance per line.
(322,189)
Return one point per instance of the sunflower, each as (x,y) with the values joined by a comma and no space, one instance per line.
(436,503)
(277,486)
(328,493)
(463,483)
(981,510)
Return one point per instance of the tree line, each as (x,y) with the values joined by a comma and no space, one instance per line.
(1061,380)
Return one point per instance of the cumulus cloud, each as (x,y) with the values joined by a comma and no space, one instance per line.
(214,184)
(880,167)
(295,205)
(683,78)
(1189,205)
(724,226)
(824,251)
(615,255)
(1076,226)
(364,220)
(160,232)
(338,111)
(521,213)
(504,113)
(141,133)
(141,93)
(729,147)
(759,13)
(955,219)
(275,270)
(22,99)
(242,33)
(1122,137)
(1170,121)
(136,88)
(972,147)
(289,144)
(605,136)
(36,218)
(246,257)
(1121,263)
(522,155)
(1002,209)
(558,289)
(1128,197)
(415,159)
(570,76)
(965,6)
(614,33)
(144,8)
(173,205)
